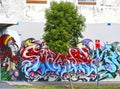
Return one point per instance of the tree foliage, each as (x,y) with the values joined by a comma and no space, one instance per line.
(63,26)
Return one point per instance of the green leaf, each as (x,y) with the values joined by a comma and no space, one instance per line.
(63,27)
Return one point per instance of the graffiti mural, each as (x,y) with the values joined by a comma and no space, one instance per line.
(34,61)
(8,61)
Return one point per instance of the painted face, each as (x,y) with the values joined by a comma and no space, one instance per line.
(13,46)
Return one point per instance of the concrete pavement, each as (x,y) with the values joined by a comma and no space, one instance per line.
(10,84)
(64,83)
(5,85)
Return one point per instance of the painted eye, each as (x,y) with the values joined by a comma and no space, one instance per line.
(32,41)
(10,42)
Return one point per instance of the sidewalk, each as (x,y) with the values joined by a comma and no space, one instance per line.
(12,83)
(5,85)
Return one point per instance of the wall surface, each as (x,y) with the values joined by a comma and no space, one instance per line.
(24,56)
(104,11)
(33,61)
(29,29)
(102,31)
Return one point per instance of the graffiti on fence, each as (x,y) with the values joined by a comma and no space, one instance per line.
(34,61)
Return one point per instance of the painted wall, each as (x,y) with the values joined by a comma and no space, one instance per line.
(30,59)
(24,56)
(104,31)
(29,29)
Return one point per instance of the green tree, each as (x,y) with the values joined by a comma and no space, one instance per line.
(63,26)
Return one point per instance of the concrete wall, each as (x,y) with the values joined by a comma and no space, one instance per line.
(32,61)
(102,31)
(28,63)
(29,29)
(18,10)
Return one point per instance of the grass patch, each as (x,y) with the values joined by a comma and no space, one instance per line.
(65,87)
